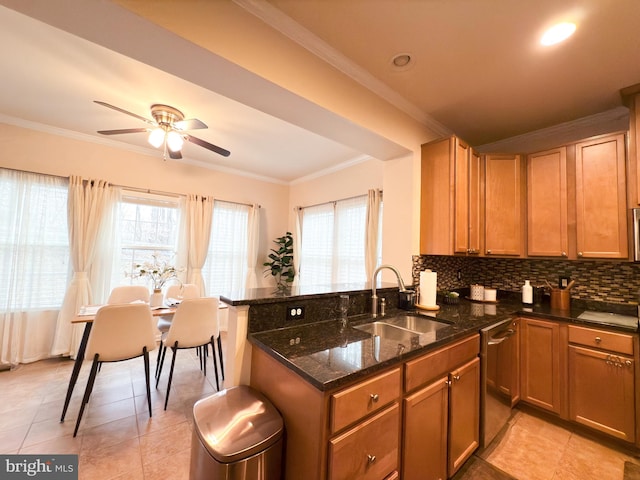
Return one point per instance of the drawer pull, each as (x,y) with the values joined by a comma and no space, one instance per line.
(371,459)
(374,397)
(456,377)
(598,339)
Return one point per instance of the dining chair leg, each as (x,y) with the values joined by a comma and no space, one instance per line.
(87,391)
(158,357)
(220,355)
(215,363)
(173,362)
(159,372)
(145,354)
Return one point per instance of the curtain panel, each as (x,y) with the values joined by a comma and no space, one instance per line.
(199,218)
(90,208)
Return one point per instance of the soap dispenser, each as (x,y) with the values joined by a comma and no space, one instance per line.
(527,293)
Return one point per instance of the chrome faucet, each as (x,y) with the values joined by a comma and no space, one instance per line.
(374,297)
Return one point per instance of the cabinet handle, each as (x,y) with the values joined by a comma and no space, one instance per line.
(488,252)
(579,254)
(456,377)
(564,254)
(628,363)
(374,397)
(447,382)
(598,339)
(371,459)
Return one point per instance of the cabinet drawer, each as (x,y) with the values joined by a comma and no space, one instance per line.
(352,404)
(368,451)
(592,337)
(436,364)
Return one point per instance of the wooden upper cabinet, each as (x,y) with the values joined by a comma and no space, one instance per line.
(450,198)
(601,208)
(504,205)
(547,204)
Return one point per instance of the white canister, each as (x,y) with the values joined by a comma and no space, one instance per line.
(490,294)
(477,292)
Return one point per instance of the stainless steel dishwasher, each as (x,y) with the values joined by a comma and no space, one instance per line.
(498,359)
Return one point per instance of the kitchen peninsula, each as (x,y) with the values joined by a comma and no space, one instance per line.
(346,396)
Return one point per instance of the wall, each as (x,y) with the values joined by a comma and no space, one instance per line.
(599,280)
(30,150)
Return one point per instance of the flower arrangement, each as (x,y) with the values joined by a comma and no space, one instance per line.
(158,271)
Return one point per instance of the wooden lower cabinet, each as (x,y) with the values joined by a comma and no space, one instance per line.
(602,381)
(464,414)
(442,419)
(426,416)
(368,451)
(540,364)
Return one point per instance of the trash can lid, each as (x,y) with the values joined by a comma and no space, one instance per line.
(236,423)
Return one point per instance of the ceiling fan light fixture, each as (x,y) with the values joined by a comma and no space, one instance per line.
(174,141)
(156,137)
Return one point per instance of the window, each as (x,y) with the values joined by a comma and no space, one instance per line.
(225,269)
(333,242)
(149,225)
(34,241)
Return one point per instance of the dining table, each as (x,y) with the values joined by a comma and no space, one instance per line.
(87,315)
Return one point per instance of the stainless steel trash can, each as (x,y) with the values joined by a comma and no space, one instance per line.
(237,435)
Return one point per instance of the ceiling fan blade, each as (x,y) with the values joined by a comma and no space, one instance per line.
(189,124)
(207,145)
(174,155)
(123,130)
(118,109)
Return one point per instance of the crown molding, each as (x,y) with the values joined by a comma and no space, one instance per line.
(616,119)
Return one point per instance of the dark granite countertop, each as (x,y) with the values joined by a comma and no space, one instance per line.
(259,296)
(330,356)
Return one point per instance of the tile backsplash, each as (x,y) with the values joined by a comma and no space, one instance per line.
(601,280)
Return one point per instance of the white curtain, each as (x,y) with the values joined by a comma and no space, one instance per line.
(297,242)
(89,216)
(372,233)
(199,218)
(34,261)
(253,244)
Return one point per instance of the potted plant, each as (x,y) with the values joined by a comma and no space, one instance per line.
(281,261)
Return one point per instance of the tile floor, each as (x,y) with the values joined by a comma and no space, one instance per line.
(118,441)
(530,448)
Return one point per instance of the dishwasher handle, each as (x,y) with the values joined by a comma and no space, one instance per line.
(501,337)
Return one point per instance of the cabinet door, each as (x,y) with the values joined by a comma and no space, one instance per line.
(601,206)
(507,371)
(540,363)
(424,455)
(547,222)
(475,210)
(504,227)
(461,208)
(464,414)
(601,391)
(368,451)
(436,197)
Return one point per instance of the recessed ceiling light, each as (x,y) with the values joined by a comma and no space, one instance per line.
(558,33)
(402,60)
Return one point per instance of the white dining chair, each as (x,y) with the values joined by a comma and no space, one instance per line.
(181,292)
(195,324)
(119,332)
(128,294)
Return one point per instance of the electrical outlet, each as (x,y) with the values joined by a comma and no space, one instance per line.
(295,312)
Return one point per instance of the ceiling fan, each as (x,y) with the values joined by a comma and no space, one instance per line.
(167,129)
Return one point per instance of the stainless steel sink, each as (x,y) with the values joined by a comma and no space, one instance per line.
(415,323)
(389,332)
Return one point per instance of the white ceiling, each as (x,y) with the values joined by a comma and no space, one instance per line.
(478,72)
